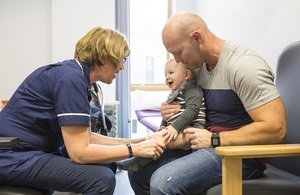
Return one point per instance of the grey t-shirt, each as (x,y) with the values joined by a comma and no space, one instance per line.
(240,82)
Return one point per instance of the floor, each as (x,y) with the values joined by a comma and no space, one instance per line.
(123,186)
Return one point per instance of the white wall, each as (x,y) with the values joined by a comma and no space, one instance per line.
(267,26)
(184,5)
(25,41)
(72,19)
(35,32)
(38,32)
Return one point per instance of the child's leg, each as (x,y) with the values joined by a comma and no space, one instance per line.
(133,164)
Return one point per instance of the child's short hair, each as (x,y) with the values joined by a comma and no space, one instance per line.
(172,59)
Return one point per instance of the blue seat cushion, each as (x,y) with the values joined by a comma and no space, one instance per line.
(274,182)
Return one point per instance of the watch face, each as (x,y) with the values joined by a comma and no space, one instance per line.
(215,142)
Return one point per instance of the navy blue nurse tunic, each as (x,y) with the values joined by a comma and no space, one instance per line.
(52,96)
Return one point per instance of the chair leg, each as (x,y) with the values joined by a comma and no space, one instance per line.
(231,176)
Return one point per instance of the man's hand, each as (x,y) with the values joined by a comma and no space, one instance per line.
(199,138)
(168,110)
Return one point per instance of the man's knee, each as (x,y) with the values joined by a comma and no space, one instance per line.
(160,185)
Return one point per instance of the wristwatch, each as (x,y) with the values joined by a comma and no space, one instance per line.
(215,140)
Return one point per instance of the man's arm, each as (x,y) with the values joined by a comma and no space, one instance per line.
(269,126)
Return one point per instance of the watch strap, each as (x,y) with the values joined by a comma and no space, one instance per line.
(129,151)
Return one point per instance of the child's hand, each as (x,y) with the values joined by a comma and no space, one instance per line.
(172,133)
(161,128)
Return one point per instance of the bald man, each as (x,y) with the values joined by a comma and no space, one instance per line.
(243,107)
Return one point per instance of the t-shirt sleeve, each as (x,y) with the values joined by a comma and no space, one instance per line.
(253,81)
(71,100)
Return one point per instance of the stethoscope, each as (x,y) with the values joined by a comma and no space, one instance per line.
(99,102)
(98,98)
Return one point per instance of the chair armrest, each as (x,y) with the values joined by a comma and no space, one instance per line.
(8,141)
(259,151)
(232,161)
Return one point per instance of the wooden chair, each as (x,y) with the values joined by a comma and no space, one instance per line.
(283,162)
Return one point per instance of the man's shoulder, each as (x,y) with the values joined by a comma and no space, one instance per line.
(237,49)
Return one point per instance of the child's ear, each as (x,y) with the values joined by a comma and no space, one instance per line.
(188,74)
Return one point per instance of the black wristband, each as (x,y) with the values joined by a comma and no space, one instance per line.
(130,151)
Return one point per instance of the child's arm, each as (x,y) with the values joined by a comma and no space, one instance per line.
(193,96)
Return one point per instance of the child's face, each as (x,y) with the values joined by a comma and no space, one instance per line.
(175,74)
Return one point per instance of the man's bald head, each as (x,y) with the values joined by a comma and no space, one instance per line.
(181,25)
